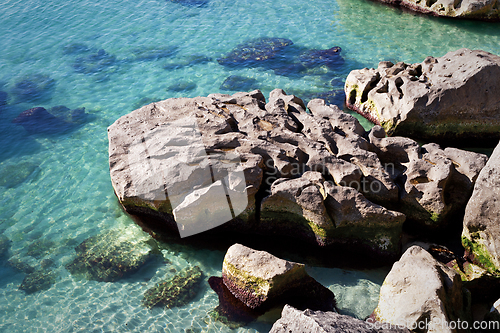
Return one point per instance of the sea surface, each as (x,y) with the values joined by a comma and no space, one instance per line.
(110,57)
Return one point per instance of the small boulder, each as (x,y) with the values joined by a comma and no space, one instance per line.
(41,279)
(296,321)
(420,292)
(261,280)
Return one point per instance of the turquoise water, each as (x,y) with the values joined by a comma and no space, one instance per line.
(56,188)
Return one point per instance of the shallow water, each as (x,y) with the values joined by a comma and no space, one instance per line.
(56,187)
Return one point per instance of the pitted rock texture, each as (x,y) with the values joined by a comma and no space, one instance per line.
(484,10)
(448,99)
(317,176)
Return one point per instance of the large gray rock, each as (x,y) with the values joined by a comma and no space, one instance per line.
(454,97)
(484,10)
(308,321)
(481,232)
(259,279)
(420,292)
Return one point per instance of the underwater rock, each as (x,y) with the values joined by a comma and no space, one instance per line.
(481,228)
(176,291)
(188,61)
(76,116)
(330,58)
(41,279)
(419,288)
(154,52)
(261,280)
(94,63)
(182,86)
(22,264)
(438,100)
(41,248)
(192,3)
(13,174)
(294,320)
(110,256)
(39,121)
(75,48)
(4,246)
(33,88)
(255,51)
(239,83)
(466,9)
(3,98)
(333,97)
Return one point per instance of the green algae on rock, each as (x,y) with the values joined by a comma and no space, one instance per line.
(176,291)
(451,99)
(112,255)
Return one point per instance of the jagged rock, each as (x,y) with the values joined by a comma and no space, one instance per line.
(176,291)
(261,280)
(481,227)
(446,99)
(254,51)
(468,9)
(154,52)
(34,88)
(111,255)
(421,291)
(296,321)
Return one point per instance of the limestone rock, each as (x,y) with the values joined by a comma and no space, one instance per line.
(454,97)
(484,10)
(296,321)
(259,279)
(421,291)
(481,230)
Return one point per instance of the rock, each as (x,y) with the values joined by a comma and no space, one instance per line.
(481,228)
(5,243)
(438,100)
(34,88)
(4,97)
(421,291)
(255,51)
(176,291)
(261,280)
(330,58)
(296,321)
(188,61)
(154,52)
(94,62)
(182,86)
(39,121)
(110,256)
(13,174)
(476,10)
(192,3)
(41,279)
(41,248)
(75,48)
(239,83)
(75,116)
(493,317)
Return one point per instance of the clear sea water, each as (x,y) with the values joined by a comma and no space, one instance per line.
(56,188)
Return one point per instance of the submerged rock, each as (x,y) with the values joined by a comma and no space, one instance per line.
(330,58)
(261,280)
(39,121)
(94,63)
(176,291)
(154,52)
(13,174)
(439,99)
(296,321)
(3,98)
(188,61)
(76,48)
(421,291)
(33,88)
(192,3)
(255,51)
(481,225)
(182,86)
(76,116)
(467,9)
(41,248)
(111,255)
(239,83)
(4,246)
(41,279)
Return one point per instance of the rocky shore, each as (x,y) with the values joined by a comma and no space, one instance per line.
(235,166)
